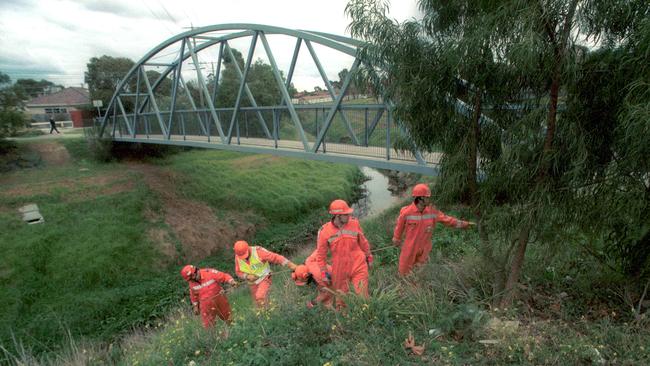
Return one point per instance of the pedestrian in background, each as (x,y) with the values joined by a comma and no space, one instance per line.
(53,126)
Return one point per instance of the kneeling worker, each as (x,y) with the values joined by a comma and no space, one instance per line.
(206,293)
(310,273)
(252,264)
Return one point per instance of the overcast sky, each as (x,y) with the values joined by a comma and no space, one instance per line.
(54,39)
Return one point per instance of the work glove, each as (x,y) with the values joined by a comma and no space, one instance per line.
(292,266)
(195,309)
(369,260)
(326,277)
(396,242)
(251,278)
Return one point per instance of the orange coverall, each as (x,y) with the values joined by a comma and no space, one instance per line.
(350,252)
(208,295)
(314,269)
(260,289)
(417,228)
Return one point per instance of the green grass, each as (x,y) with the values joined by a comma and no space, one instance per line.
(86,270)
(286,198)
(90,272)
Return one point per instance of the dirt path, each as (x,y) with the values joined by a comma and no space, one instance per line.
(194,223)
(52,153)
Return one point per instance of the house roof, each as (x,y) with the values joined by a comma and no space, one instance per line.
(67,96)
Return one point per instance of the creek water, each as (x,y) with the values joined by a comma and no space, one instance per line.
(377,197)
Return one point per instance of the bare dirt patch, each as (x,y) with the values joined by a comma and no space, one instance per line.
(99,184)
(52,153)
(161,238)
(194,223)
(106,190)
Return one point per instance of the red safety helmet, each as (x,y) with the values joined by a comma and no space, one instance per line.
(340,207)
(188,271)
(421,190)
(300,275)
(241,248)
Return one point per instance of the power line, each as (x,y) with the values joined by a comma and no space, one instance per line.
(156,16)
(165,9)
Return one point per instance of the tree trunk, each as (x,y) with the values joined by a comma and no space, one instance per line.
(472,185)
(516,265)
(472,155)
(559,47)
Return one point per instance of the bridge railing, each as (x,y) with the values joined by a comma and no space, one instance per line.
(367,129)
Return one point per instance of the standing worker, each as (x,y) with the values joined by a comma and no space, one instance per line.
(206,293)
(351,257)
(417,221)
(309,273)
(252,264)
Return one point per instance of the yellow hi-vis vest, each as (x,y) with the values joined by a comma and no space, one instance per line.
(256,266)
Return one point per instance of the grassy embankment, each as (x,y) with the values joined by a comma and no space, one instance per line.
(443,306)
(92,272)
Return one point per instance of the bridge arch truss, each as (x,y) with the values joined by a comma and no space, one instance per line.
(170,96)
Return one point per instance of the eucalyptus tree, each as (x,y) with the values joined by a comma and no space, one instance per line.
(483,81)
(104,74)
(609,143)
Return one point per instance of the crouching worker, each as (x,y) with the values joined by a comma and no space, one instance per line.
(310,274)
(206,293)
(252,263)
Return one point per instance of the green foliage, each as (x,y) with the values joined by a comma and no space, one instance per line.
(33,88)
(528,168)
(608,151)
(11,121)
(104,74)
(260,80)
(11,116)
(29,132)
(11,97)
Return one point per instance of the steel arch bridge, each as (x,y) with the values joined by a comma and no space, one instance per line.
(143,109)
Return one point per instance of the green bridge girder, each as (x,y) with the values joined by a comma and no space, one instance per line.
(363,134)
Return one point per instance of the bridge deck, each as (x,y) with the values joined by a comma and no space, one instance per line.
(372,156)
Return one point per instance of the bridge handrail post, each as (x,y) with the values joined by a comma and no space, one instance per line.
(388,135)
(325,136)
(365,121)
(238,140)
(275,128)
(183,124)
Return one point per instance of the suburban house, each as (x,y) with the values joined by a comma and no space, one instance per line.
(311,98)
(64,106)
(321,97)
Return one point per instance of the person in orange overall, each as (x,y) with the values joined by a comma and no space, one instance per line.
(309,273)
(350,249)
(206,293)
(252,264)
(417,222)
